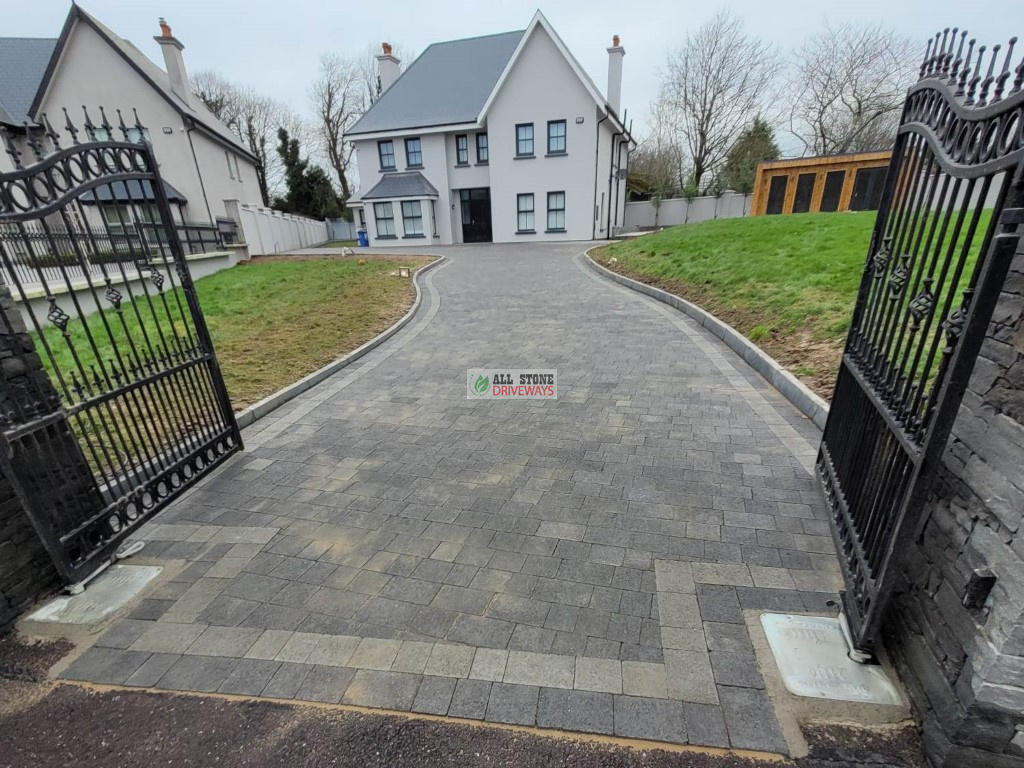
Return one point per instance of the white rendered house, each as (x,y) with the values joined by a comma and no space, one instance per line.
(501,138)
(201,160)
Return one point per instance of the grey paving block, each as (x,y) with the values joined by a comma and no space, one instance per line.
(738,669)
(224,641)
(197,673)
(462,599)
(450,660)
(530,638)
(480,631)
(250,677)
(434,695)
(518,610)
(515,704)
(719,603)
(705,725)
(470,699)
(382,690)
(645,718)
(325,684)
(584,711)
(287,680)
(123,633)
(152,670)
(750,720)
(269,616)
(105,665)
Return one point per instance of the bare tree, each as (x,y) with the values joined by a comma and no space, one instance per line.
(370,74)
(255,119)
(848,84)
(714,82)
(339,99)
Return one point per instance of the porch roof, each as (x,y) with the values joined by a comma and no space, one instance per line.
(407,184)
(132,191)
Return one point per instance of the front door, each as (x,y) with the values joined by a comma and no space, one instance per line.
(476,215)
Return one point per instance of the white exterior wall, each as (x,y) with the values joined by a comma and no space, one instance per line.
(542,86)
(267,231)
(91,72)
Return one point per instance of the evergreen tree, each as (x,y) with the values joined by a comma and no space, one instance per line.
(755,145)
(309,187)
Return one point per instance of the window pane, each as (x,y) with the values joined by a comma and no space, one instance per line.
(385,219)
(556,210)
(524,206)
(387,154)
(413,152)
(412,217)
(556,136)
(481,148)
(462,150)
(524,139)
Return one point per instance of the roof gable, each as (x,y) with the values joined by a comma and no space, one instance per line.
(23,61)
(540,22)
(447,84)
(150,72)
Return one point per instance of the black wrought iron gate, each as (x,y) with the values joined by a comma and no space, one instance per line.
(131,410)
(946,231)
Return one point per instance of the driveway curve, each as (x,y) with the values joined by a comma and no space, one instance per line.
(586,564)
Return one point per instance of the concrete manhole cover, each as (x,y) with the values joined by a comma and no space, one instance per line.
(811,654)
(109,591)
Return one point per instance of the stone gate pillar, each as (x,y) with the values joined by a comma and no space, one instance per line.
(956,626)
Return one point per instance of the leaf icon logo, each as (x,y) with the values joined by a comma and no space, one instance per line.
(481,385)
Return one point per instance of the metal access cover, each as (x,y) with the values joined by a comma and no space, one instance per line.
(109,591)
(811,654)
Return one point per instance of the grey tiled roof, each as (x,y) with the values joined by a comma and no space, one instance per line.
(447,84)
(133,190)
(408,184)
(23,62)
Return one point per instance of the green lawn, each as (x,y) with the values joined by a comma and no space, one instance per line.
(787,282)
(341,244)
(272,320)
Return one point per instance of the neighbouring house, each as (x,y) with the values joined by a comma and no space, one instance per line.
(202,162)
(499,138)
(851,182)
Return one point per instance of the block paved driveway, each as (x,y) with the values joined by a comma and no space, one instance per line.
(582,564)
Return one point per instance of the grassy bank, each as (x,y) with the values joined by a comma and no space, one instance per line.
(274,320)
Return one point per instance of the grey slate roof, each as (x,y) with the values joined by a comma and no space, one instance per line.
(133,190)
(23,63)
(407,184)
(449,83)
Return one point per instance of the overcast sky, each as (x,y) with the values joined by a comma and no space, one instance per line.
(275,45)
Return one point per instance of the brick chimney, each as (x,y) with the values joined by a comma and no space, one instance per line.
(174,62)
(390,67)
(615,55)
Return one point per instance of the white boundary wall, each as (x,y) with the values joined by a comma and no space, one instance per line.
(643,214)
(267,231)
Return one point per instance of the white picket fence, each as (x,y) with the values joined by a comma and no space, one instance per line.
(267,231)
(645,215)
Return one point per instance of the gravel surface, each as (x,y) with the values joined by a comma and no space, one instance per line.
(64,725)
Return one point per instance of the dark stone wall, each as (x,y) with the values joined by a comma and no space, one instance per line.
(26,570)
(964,667)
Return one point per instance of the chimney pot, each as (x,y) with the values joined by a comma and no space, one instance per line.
(389,65)
(174,62)
(615,41)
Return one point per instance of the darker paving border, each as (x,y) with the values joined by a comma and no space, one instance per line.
(790,387)
(271,403)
